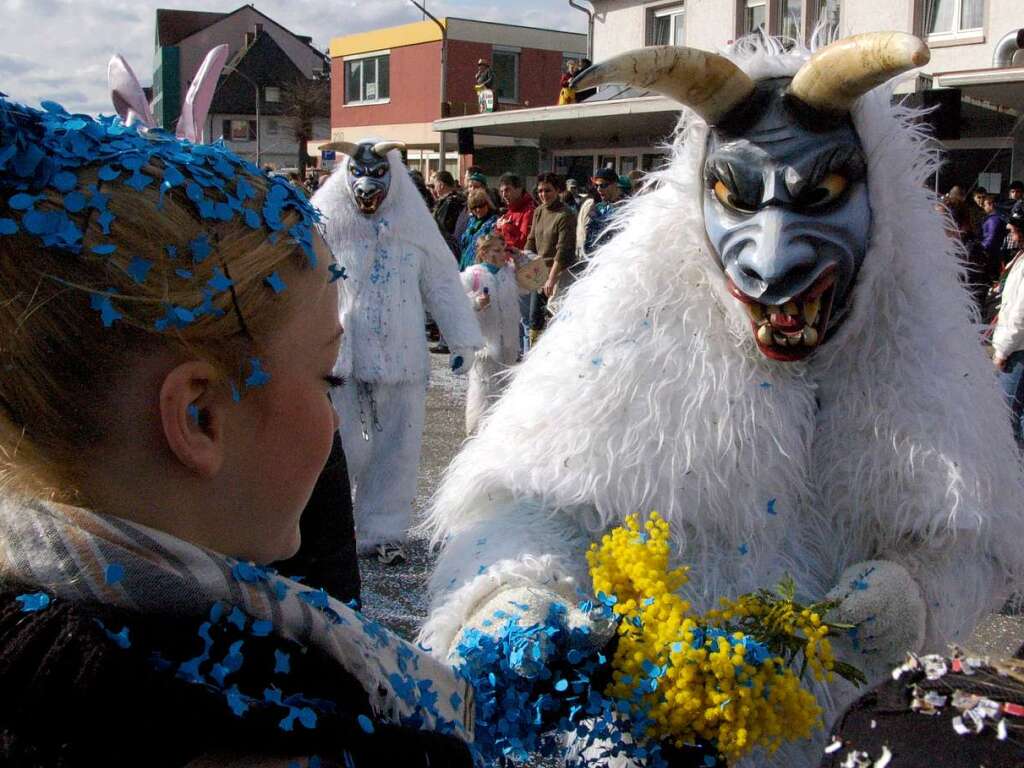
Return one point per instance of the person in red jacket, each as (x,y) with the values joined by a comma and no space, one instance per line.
(514,225)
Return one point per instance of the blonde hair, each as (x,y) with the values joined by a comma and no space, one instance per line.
(486,241)
(61,366)
(479,197)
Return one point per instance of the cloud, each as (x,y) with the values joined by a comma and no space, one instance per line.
(62,46)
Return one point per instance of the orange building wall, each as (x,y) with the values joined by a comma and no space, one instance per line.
(416,90)
(539,73)
(415,82)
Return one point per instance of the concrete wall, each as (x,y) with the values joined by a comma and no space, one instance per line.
(524,37)
(280,149)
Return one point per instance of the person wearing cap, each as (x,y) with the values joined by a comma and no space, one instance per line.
(1008,333)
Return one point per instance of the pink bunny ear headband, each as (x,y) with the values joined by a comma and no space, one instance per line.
(130,100)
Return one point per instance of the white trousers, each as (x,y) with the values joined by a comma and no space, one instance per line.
(487,380)
(382,433)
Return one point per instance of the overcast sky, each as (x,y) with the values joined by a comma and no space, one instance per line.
(59,49)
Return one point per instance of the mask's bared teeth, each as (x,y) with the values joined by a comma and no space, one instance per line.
(809,336)
(764,334)
(756,312)
(773,308)
(811,309)
(780,339)
(791,309)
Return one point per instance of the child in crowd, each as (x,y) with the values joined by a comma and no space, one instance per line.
(168,335)
(491,285)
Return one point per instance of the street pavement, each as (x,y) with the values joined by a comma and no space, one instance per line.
(396,595)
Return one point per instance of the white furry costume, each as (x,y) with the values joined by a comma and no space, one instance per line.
(396,265)
(499,323)
(648,393)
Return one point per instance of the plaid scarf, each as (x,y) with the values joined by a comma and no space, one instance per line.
(79,556)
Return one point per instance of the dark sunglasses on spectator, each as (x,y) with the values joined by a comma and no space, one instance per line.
(602,185)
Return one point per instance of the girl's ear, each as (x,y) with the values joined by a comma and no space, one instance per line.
(192,417)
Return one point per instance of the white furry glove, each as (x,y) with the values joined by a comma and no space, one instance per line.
(533,605)
(885,604)
(461,360)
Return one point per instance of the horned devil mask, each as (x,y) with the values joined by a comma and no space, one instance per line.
(785,203)
(368,171)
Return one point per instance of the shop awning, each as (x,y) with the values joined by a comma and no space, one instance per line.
(589,121)
(1002,88)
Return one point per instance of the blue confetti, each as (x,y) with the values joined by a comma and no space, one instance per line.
(220,282)
(262,627)
(743,549)
(457,362)
(200,248)
(771,507)
(103,305)
(21,202)
(138,269)
(64,181)
(337,273)
(282,663)
(365,723)
(8,226)
(74,202)
(114,573)
(36,601)
(275,282)
(104,250)
(193,412)
(257,376)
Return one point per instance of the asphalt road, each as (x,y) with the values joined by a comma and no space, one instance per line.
(396,595)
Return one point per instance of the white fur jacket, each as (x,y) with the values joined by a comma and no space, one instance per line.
(648,393)
(499,320)
(396,266)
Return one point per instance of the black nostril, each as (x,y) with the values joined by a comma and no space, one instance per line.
(751,273)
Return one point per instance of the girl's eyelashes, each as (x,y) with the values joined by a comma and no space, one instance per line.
(334,381)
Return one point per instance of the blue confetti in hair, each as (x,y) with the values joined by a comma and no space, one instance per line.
(32,602)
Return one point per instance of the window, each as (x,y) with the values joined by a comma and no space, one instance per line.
(271,94)
(665,26)
(273,126)
(367,79)
(826,12)
(755,16)
(792,21)
(506,75)
(950,17)
(239,130)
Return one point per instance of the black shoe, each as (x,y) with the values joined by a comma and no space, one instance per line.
(390,553)
(440,349)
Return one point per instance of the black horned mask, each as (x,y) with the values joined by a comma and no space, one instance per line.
(785,199)
(368,171)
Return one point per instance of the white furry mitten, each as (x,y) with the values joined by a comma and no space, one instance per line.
(461,360)
(885,604)
(532,605)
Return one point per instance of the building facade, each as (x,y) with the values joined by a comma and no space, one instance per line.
(388,83)
(975,79)
(265,59)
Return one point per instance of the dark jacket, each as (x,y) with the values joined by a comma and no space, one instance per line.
(993,230)
(446,214)
(75,697)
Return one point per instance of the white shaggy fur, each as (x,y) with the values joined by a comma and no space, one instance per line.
(396,264)
(647,393)
(499,324)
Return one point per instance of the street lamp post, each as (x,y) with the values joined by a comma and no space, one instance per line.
(444,78)
(256,88)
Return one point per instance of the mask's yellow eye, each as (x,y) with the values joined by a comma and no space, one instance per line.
(725,197)
(828,190)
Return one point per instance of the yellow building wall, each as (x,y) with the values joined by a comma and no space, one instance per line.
(382,39)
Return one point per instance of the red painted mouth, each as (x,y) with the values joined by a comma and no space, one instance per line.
(793,330)
(370,203)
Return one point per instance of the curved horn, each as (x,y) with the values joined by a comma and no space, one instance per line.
(345,147)
(126,93)
(383,147)
(840,73)
(709,84)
